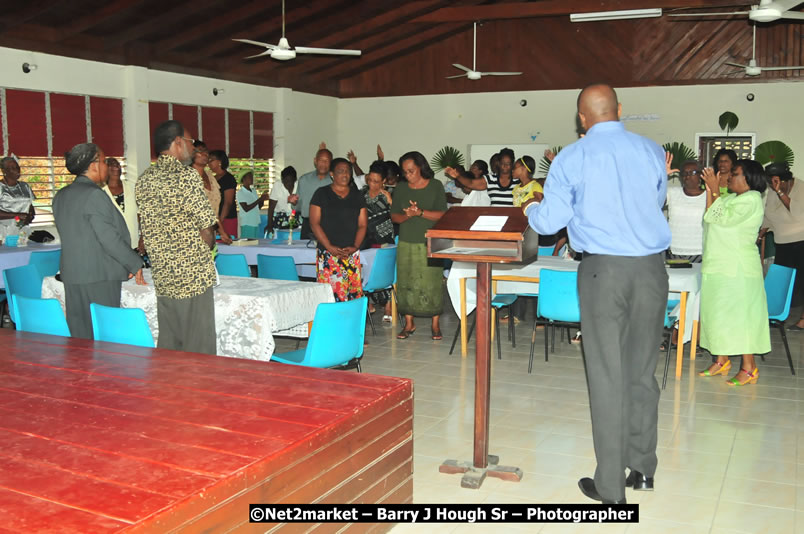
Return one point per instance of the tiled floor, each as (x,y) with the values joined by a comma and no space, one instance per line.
(731,460)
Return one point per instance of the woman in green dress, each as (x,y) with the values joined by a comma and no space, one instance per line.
(734,311)
(418,203)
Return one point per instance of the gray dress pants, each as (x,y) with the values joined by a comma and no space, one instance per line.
(187,324)
(623,301)
(77,298)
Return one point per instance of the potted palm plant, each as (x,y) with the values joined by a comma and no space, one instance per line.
(446,157)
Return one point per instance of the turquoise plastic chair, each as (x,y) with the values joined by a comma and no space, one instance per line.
(548,251)
(779,283)
(263,225)
(381,277)
(558,305)
(282,236)
(498,303)
(336,339)
(47,261)
(40,316)
(25,281)
(669,323)
(120,325)
(232,265)
(277,267)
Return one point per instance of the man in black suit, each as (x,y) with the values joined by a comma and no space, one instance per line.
(96,253)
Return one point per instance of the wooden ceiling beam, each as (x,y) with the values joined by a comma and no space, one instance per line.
(98,16)
(374,28)
(392,48)
(546,8)
(160,21)
(33,10)
(246,11)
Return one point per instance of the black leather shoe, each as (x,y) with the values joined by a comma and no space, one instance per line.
(587,486)
(638,481)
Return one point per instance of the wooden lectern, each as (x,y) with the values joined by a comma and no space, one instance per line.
(453,238)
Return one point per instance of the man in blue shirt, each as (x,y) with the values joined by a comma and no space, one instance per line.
(608,189)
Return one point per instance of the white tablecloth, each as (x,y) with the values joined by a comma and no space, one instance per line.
(303,255)
(679,280)
(17,256)
(248,311)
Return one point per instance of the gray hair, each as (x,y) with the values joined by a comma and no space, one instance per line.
(80,157)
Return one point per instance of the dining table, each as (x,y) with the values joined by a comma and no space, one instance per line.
(249,312)
(523,279)
(11,257)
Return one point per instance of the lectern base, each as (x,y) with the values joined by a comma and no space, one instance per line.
(473,477)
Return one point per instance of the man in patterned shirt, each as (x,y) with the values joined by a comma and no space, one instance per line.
(177,225)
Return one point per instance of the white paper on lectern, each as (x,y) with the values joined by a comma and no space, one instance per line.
(489,223)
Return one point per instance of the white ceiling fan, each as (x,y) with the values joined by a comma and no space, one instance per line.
(752,69)
(765,11)
(284,52)
(473,73)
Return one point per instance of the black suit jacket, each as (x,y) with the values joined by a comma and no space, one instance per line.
(95,242)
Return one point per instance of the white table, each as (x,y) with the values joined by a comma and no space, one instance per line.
(11,257)
(248,311)
(302,254)
(461,288)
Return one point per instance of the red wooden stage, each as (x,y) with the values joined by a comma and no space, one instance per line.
(97,437)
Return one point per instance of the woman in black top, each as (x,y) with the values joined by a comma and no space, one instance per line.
(218,164)
(338,220)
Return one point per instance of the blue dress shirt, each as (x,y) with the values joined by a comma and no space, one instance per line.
(608,189)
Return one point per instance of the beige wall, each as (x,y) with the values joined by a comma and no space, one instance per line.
(427,123)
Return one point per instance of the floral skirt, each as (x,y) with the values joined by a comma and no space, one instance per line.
(342,275)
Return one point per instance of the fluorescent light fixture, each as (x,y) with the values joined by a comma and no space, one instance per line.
(616,15)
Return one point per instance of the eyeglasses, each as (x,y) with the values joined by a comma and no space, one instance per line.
(189,139)
(691,173)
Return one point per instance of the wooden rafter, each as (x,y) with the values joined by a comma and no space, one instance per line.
(374,30)
(545,8)
(391,50)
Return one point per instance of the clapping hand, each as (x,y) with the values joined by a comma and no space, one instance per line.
(322,145)
(549,154)
(351,156)
(668,163)
(293,199)
(451,172)
(380,155)
(412,210)
(711,180)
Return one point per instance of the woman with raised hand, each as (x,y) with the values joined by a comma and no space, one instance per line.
(734,310)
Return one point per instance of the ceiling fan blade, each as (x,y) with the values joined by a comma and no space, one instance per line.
(500,73)
(456,76)
(741,71)
(793,15)
(266,53)
(735,65)
(329,51)
(257,43)
(708,14)
(459,66)
(784,68)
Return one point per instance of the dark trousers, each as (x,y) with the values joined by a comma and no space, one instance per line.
(306,230)
(792,255)
(187,324)
(77,298)
(623,302)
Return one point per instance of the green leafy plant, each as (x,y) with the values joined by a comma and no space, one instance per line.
(773,152)
(728,121)
(544,163)
(680,153)
(446,157)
